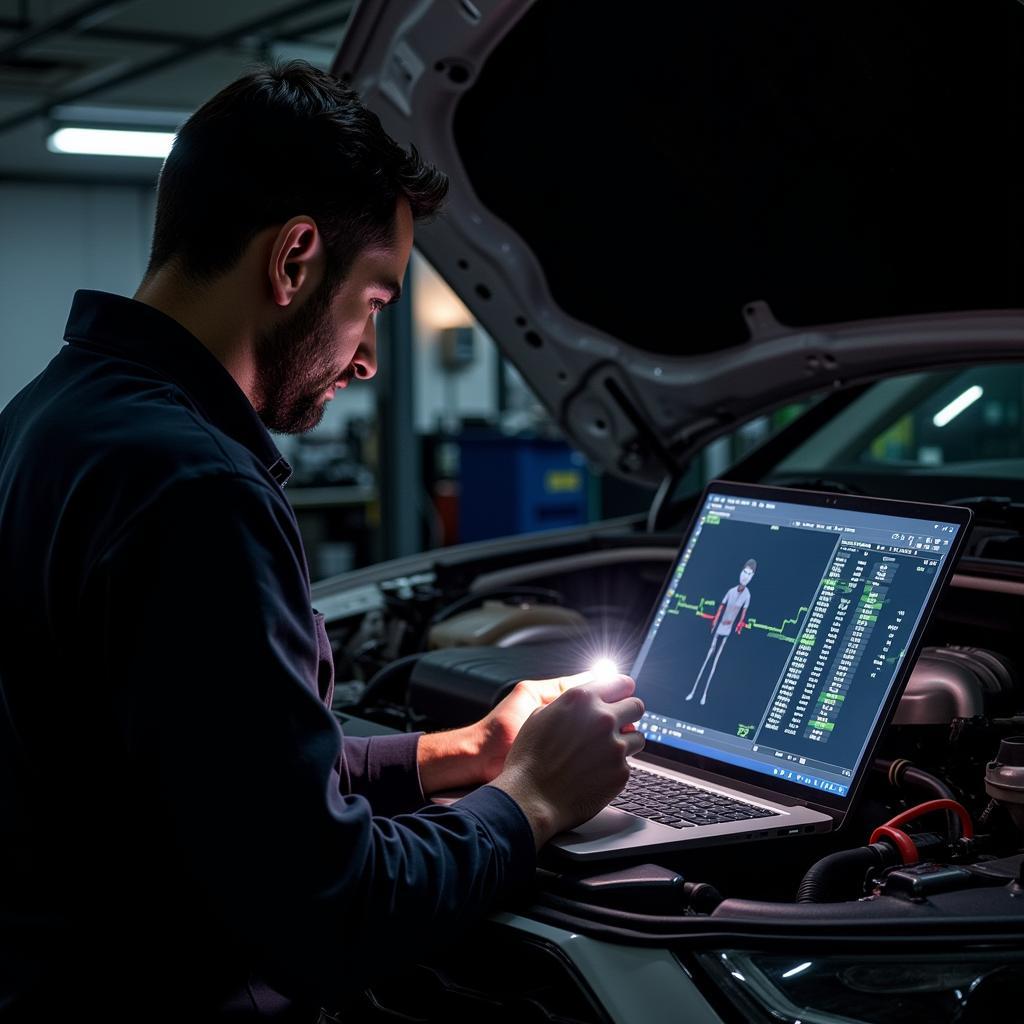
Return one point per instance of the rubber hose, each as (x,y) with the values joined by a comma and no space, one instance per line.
(387,674)
(701,897)
(903,772)
(842,871)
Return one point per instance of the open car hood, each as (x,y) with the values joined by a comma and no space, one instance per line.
(676,217)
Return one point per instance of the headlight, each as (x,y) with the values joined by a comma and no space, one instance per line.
(924,988)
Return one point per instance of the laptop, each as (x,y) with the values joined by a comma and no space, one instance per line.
(774,658)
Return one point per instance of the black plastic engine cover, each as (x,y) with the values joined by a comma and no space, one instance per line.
(459,685)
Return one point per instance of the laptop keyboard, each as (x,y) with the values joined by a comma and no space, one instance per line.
(679,805)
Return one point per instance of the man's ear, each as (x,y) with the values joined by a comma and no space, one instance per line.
(296,262)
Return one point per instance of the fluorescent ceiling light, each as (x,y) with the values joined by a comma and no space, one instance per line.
(799,969)
(957,406)
(103,116)
(110,142)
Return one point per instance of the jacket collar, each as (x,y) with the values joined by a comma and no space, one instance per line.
(142,334)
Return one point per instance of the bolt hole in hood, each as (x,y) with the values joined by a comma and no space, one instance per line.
(672,218)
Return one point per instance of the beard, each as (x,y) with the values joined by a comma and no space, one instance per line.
(295,366)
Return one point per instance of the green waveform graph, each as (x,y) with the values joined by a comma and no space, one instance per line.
(697,609)
(771,632)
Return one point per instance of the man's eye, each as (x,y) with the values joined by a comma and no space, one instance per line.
(377,305)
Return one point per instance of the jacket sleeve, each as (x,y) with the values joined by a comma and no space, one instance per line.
(208,594)
(384,770)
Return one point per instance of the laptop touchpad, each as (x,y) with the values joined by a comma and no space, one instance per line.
(608,822)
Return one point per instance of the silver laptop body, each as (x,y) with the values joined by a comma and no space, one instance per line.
(775,657)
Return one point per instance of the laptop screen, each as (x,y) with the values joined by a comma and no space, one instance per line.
(781,632)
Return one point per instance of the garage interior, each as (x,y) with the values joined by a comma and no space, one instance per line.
(805,277)
(84,221)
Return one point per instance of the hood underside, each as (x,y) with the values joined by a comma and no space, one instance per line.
(674,218)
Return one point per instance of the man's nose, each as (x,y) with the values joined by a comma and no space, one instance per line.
(364,363)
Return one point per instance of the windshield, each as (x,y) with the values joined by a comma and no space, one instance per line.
(959,427)
(944,436)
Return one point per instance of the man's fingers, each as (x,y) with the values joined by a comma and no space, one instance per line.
(633,742)
(543,691)
(568,682)
(628,711)
(546,690)
(612,690)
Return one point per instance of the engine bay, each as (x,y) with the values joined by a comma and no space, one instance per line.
(436,647)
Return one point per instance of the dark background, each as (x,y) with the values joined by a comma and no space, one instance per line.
(838,161)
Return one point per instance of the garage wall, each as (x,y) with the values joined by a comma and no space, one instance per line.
(56,239)
(438,393)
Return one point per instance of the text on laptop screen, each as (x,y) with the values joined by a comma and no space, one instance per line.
(780,633)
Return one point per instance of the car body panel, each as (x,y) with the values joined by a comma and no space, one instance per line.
(638,413)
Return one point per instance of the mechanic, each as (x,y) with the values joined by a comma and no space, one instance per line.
(185,833)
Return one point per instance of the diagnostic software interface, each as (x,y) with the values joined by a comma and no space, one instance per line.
(780,634)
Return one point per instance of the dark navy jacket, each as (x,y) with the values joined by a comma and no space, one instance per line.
(183,829)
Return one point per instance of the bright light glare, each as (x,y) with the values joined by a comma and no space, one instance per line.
(110,142)
(797,970)
(604,669)
(957,406)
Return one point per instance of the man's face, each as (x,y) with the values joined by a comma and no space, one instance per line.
(746,575)
(331,338)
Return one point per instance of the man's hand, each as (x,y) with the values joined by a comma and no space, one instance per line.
(500,728)
(476,754)
(569,758)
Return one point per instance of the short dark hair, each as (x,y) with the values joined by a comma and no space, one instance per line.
(281,141)
(750,564)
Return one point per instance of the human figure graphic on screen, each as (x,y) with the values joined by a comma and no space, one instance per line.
(731,615)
